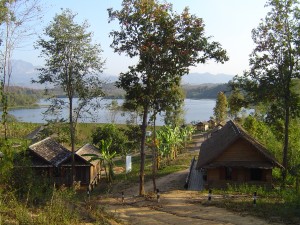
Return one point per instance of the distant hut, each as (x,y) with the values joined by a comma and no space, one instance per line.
(202,126)
(211,123)
(233,156)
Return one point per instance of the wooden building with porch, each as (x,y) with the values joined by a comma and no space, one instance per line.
(232,156)
(51,159)
(94,171)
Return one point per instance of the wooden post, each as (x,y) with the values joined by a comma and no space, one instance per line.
(209,194)
(99,176)
(123,197)
(157,195)
(92,186)
(254,198)
(88,193)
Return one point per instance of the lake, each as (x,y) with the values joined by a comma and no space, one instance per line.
(195,110)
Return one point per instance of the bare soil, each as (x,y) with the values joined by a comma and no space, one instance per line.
(175,206)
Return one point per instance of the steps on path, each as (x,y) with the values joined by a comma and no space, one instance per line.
(195,180)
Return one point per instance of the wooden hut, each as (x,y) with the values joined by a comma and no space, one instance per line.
(202,126)
(94,171)
(231,156)
(211,123)
(51,159)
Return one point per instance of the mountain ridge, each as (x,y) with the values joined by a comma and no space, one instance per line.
(24,72)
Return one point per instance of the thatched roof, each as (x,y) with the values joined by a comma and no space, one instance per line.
(34,135)
(88,149)
(50,151)
(201,123)
(214,146)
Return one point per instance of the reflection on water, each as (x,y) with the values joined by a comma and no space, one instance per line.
(195,110)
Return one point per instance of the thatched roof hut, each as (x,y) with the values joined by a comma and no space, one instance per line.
(87,150)
(232,154)
(50,151)
(50,158)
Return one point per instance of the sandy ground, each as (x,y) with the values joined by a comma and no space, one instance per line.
(176,206)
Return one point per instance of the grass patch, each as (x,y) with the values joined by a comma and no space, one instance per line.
(123,180)
(280,206)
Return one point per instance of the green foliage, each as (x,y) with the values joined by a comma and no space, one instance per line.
(108,155)
(281,205)
(113,134)
(264,133)
(6,161)
(271,136)
(180,163)
(133,133)
(57,210)
(236,101)
(166,44)
(114,109)
(204,91)
(73,63)
(221,107)
(170,141)
(273,67)
(57,128)
(174,114)
(23,97)
(3,10)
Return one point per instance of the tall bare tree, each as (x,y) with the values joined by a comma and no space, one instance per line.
(18,19)
(73,63)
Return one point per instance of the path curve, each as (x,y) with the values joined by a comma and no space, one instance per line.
(176,206)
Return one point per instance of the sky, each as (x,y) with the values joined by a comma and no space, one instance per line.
(228,22)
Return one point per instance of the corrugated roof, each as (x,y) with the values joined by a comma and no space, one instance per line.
(51,151)
(88,149)
(213,147)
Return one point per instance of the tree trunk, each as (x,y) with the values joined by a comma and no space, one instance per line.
(142,153)
(72,135)
(153,145)
(286,143)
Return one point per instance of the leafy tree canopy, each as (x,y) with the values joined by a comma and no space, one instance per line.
(111,133)
(220,110)
(166,44)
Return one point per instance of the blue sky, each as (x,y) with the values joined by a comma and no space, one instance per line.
(228,21)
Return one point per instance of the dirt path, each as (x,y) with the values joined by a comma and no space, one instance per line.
(176,206)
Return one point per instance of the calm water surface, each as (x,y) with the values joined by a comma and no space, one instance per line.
(195,110)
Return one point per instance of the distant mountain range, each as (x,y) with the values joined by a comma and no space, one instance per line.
(206,78)
(23,72)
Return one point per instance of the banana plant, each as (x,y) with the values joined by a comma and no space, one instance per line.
(106,157)
(186,134)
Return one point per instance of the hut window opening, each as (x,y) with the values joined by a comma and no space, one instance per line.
(228,173)
(57,172)
(256,174)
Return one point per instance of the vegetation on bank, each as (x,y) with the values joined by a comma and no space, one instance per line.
(204,91)
(23,97)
